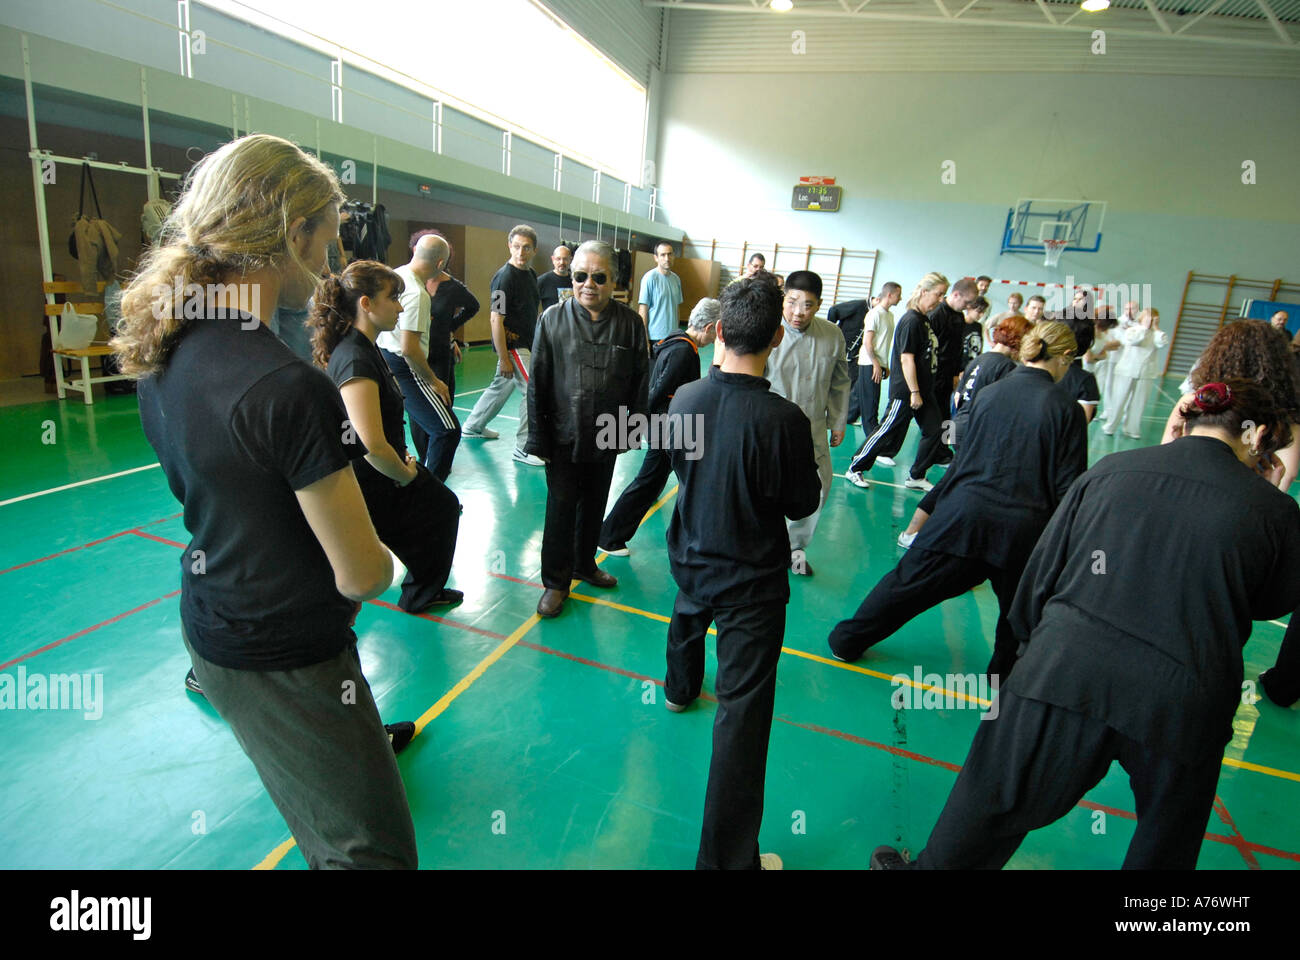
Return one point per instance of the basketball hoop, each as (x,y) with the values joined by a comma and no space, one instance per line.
(1052,251)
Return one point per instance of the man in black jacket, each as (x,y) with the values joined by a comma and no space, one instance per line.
(676,362)
(730,554)
(589,382)
(848,316)
(948,322)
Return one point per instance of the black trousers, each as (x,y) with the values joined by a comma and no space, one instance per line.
(924,579)
(943,403)
(866,399)
(1282,683)
(435,418)
(620,526)
(419,522)
(749,647)
(855,405)
(1031,765)
(575,502)
(887,439)
(418,435)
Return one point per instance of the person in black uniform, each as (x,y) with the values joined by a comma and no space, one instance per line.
(848,316)
(556,284)
(948,320)
(911,390)
(1079,384)
(730,556)
(987,368)
(1024,447)
(1113,670)
(590,364)
(282,550)
(415,515)
(676,361)
(1281,682)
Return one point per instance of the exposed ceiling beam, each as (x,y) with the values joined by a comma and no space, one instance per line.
(1200,16)
(936,19)
(1277,24)
(943,9)
(1047,13)
(965,8)
(1155,15)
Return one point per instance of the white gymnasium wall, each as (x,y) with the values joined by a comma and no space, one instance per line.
(1165,151)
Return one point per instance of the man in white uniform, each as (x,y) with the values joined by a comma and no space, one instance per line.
(809,368)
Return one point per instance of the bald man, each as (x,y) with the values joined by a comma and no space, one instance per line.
(406,349)
(556,284)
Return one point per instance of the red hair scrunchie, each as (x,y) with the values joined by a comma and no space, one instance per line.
(1213,398)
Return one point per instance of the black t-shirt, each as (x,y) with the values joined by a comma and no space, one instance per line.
(553,287)
(676,362)
(972,342)
(521,300)
(948,326)
(913,335)
(239,423)
(1079,384)
(727,541)
(356,357)
(451,306)
(985,369)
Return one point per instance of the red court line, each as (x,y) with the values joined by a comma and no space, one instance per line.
(1221,809)
(92,543)
(150,536)
(82,633)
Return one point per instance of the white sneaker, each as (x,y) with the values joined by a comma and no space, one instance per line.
(885,461)
(922,484)
(770,861)
(528,458)
(857,479)
(622,551)
(484,434)
(905,539)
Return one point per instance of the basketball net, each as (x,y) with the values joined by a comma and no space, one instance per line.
(1052,252)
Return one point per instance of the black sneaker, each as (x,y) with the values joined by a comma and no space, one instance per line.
(400,734)
(192,684)
(887,858)
(448,597)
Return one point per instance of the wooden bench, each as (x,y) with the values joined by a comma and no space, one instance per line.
(85,383)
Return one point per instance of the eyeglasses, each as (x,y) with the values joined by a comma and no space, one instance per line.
(600,279)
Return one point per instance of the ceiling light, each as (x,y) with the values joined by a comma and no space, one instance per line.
(1092,6)
(785,6)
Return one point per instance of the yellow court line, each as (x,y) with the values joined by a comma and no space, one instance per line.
(1271,771)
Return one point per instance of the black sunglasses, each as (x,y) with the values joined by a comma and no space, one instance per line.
(580,276)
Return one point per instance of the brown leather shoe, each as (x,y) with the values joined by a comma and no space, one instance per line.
(598,578)
(552,602)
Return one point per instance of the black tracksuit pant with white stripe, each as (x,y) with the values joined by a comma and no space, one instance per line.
(426,408)
(887,439)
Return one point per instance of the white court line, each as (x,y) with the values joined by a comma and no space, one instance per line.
(469,393)
(883,483)
(79,483)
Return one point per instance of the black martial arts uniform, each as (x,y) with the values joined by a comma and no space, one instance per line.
(912,335)
(1081,386)
(676,362)
(1282,682)
(985,369)
(1134,608)
(848,316)
(730,557)
(949,327)
(1024,448)
(585,376)
(451,307)
(420,521)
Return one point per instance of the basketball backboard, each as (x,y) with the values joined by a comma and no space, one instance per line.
(1033,221)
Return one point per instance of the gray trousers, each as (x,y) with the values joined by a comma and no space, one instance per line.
(315,737)
(498,392)
(801,531)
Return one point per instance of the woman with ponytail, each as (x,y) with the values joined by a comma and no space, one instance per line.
(1024,445)
(415,515)
(255,445)
(1118,667)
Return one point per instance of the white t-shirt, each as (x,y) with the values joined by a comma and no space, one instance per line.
(879,322)
(415,314)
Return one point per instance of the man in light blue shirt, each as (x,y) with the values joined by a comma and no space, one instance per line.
(661,295)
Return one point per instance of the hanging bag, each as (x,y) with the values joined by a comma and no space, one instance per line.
(86,177)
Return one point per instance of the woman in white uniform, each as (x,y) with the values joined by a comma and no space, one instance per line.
(1135,369)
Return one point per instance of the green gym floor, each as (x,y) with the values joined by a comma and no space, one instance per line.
(542,744)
